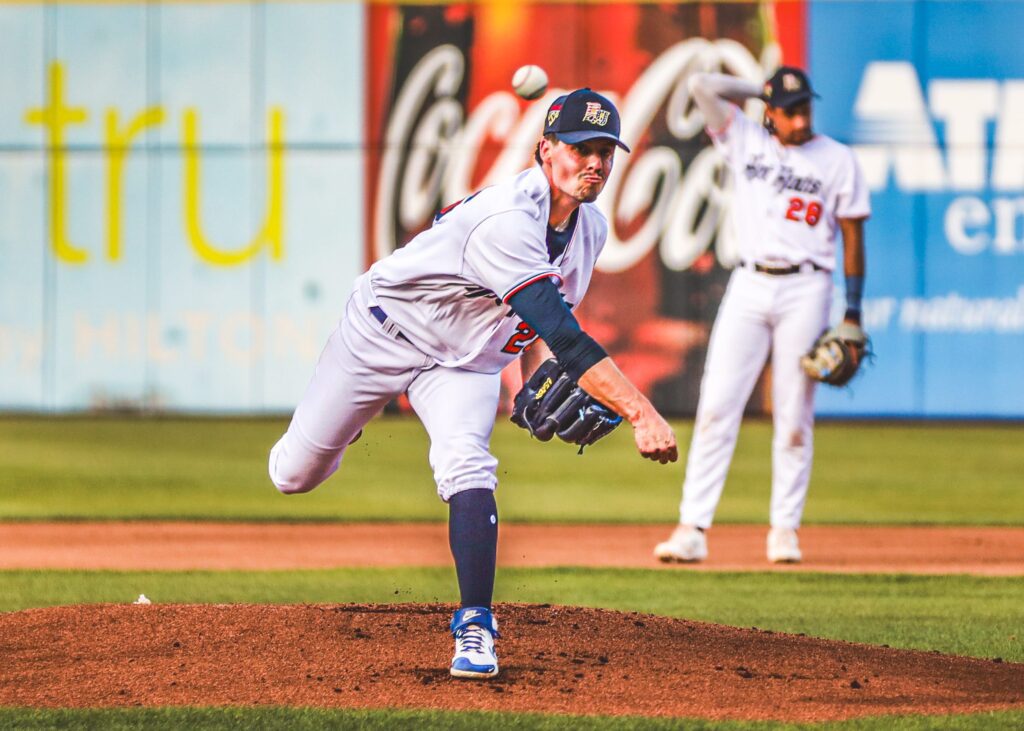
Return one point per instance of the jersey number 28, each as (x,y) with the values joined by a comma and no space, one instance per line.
(801,210)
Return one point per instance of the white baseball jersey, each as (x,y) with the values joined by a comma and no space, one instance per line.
(446,290)
(787,200)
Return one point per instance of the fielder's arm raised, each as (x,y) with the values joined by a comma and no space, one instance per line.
(718,95)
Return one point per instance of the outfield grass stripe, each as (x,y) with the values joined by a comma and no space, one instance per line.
(303,719)
(117,467)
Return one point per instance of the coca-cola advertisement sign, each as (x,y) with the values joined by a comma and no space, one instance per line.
(443,121)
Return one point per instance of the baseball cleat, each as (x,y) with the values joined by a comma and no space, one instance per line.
(783,546)
(687,544)
(474,629)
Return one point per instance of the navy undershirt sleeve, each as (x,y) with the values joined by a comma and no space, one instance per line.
(540,305)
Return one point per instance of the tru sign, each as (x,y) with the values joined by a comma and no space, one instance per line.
(119,137)
(895,136)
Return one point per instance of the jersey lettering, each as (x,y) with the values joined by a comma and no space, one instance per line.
(788,180)
(523,336)
(795,206)
(476,292)
(795,212)
(813,213)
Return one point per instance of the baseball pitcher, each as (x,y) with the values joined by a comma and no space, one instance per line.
(794,190)
(440,318)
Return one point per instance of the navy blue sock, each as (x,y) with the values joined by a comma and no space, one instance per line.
(473,537)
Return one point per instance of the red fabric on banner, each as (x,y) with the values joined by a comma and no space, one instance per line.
(652,309)
(791,24)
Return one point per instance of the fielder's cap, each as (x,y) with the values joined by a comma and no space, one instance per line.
(787,87)
(583,115)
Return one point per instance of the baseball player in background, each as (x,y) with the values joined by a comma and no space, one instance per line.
(793,190)
(441,317)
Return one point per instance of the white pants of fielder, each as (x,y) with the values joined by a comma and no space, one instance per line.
(760,313)
(364,366)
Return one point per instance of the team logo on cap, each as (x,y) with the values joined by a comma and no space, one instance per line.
(790,82)
(553,115)
(596,115)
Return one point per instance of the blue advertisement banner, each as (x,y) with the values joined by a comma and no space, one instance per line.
(931,97)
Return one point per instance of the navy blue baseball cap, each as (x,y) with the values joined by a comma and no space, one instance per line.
(583,115)
(787,87)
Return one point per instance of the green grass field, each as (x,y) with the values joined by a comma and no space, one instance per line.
(231,719)
(214,469)
(104,468)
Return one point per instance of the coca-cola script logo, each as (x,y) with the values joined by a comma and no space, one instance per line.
(431,150)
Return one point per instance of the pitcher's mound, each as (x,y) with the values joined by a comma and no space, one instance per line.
(553,659)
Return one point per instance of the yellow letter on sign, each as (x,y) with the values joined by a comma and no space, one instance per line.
(119,143)
(272,233)
(54,117)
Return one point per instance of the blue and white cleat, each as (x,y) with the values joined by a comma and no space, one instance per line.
(474,630)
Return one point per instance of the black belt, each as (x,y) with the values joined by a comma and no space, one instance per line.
(382,317)
(781,271)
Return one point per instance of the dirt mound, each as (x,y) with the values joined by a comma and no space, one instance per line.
(554,659)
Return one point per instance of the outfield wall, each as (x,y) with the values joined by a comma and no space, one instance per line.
(188,189)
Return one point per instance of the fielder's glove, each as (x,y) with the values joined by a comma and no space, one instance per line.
(552,404)
(837,354)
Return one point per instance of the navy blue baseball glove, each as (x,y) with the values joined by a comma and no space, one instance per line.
(552,404)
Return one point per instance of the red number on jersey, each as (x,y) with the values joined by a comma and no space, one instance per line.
(813,213)
(523,337)
(796,205)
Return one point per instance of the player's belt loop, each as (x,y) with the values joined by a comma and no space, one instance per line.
(389,327)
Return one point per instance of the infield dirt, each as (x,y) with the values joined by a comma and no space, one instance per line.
(554,659)
(178,545)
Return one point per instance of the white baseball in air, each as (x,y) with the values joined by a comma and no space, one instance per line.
(530,81)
